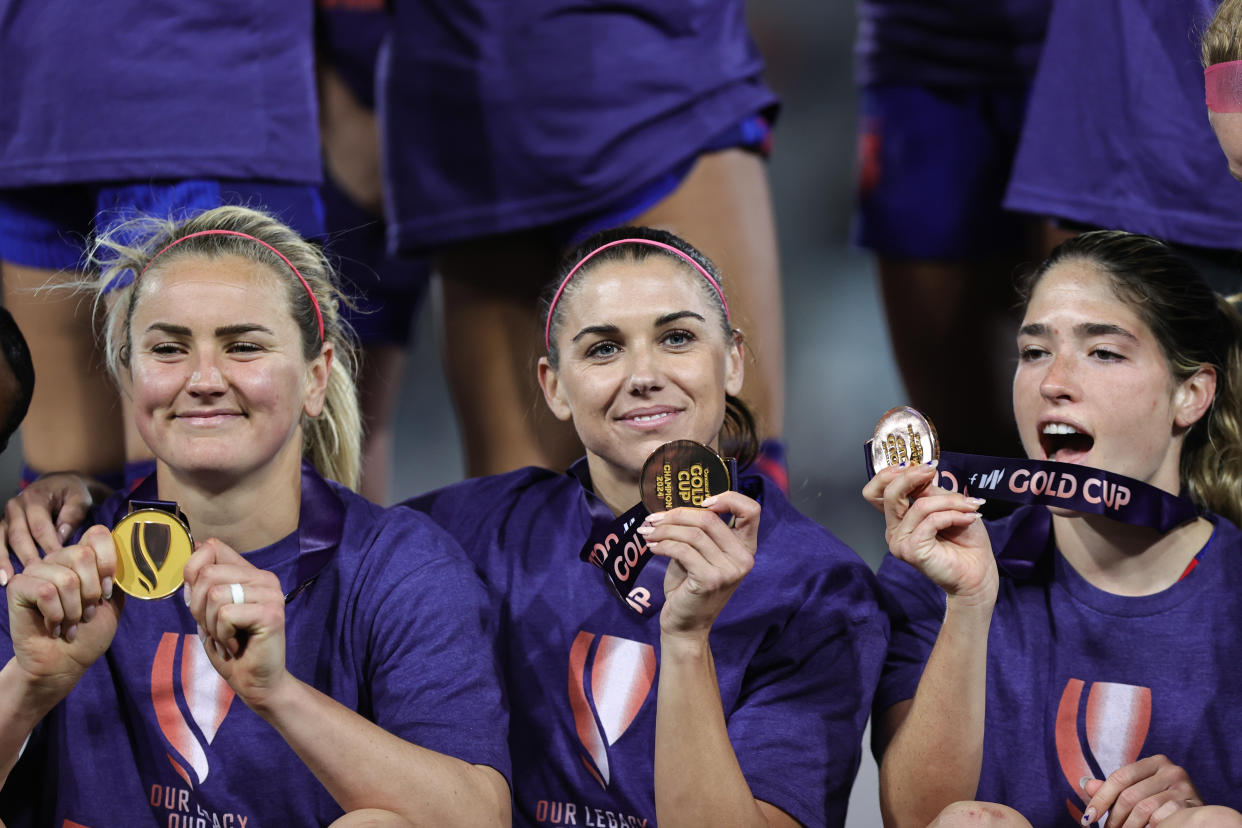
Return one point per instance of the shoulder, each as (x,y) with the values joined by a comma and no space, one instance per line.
(468,506)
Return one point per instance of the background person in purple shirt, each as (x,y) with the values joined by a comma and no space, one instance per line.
(513,130)
(282,685)
(744,703)
(1095,679)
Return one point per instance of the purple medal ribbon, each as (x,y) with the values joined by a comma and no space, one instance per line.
(1068,485)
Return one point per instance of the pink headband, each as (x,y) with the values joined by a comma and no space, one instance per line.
(547,331)
(1222,84)
(283,258)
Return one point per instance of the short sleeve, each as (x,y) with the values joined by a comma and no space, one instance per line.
(430,664)
(915,607)
(798,726)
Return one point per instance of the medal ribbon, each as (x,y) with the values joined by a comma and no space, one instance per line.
(1068,485)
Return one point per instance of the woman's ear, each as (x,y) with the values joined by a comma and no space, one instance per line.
(735,364)
(553,392)
(317,373)
(1194,397)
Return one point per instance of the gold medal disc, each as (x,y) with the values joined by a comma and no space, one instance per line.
(682,473)
(903,435)
(152,548)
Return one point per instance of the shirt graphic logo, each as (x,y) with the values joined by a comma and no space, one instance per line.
(189,684)
(1113,726)
(609,680)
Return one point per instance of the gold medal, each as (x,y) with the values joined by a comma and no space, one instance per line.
(903,435)
(152,548)
(682,473)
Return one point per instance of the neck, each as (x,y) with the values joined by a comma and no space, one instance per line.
(1128,560)
(248,513)
(619,491)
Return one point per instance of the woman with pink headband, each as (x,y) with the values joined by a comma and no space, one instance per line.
(1222,80)
(323,656)
(742,700)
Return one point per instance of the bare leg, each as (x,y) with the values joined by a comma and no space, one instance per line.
(75,420)
(491,343)
(978,815)
(379,385)
(371,818)
(952,325)
(724,208)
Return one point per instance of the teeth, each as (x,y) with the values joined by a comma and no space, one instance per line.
(1060,428)
(646,418)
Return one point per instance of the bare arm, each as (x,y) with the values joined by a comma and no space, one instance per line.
(932,746)
(361,764)
(698,780)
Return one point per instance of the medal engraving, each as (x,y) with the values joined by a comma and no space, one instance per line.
(682,473)
(152,548)
(903,436)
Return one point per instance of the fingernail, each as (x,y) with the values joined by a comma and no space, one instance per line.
(655,517)
(185,594)
(975,501)
(902,464)
(708,501)
(4,578)
(652,544)
(1082,783)
(934,463)
(107,588)
(71,633)
(1088,816)
(88,613)
(56,631)
(63,531)
(645,529)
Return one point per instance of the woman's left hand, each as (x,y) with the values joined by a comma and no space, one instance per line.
(245,639)
(1141,793)
(708,559)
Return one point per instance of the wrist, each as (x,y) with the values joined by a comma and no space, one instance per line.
(279,699)
(684,646)
(34,695)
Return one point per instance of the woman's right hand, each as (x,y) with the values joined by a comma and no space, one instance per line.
(63,611)
(44,515)
(937,531)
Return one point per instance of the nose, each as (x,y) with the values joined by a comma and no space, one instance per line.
(1059,381)
(645,375)
(206,378)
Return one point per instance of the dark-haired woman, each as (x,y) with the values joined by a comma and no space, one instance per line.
(1102,679)
(744,702)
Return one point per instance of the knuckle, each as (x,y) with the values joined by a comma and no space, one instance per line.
(1130,799)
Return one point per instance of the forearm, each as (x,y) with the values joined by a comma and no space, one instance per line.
(364,766)
(697,777)
(22,706)
(936,754)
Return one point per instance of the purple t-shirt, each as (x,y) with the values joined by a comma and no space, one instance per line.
(386,616)
(797,652)
(949,43)
(501,115)
(1116,133)
(142,89)
(1081,681)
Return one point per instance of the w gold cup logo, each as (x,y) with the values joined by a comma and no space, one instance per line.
(152,548)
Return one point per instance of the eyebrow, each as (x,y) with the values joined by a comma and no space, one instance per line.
(224,330)
(609,330)
(1083,329)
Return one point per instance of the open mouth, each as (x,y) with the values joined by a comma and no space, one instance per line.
(1064,443)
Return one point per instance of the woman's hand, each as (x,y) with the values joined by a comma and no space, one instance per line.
(245,639)
(1141,793)
(63,611)
(45,514)
(708,559)
(938,532)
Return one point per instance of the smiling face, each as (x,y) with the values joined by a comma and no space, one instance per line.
(217,372)
(643,360)
(1092,385)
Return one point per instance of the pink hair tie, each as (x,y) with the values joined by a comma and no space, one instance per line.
(556,297)
(1222,85)
(283,258)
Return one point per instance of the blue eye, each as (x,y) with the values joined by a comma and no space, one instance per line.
(678,338)
(602,349)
